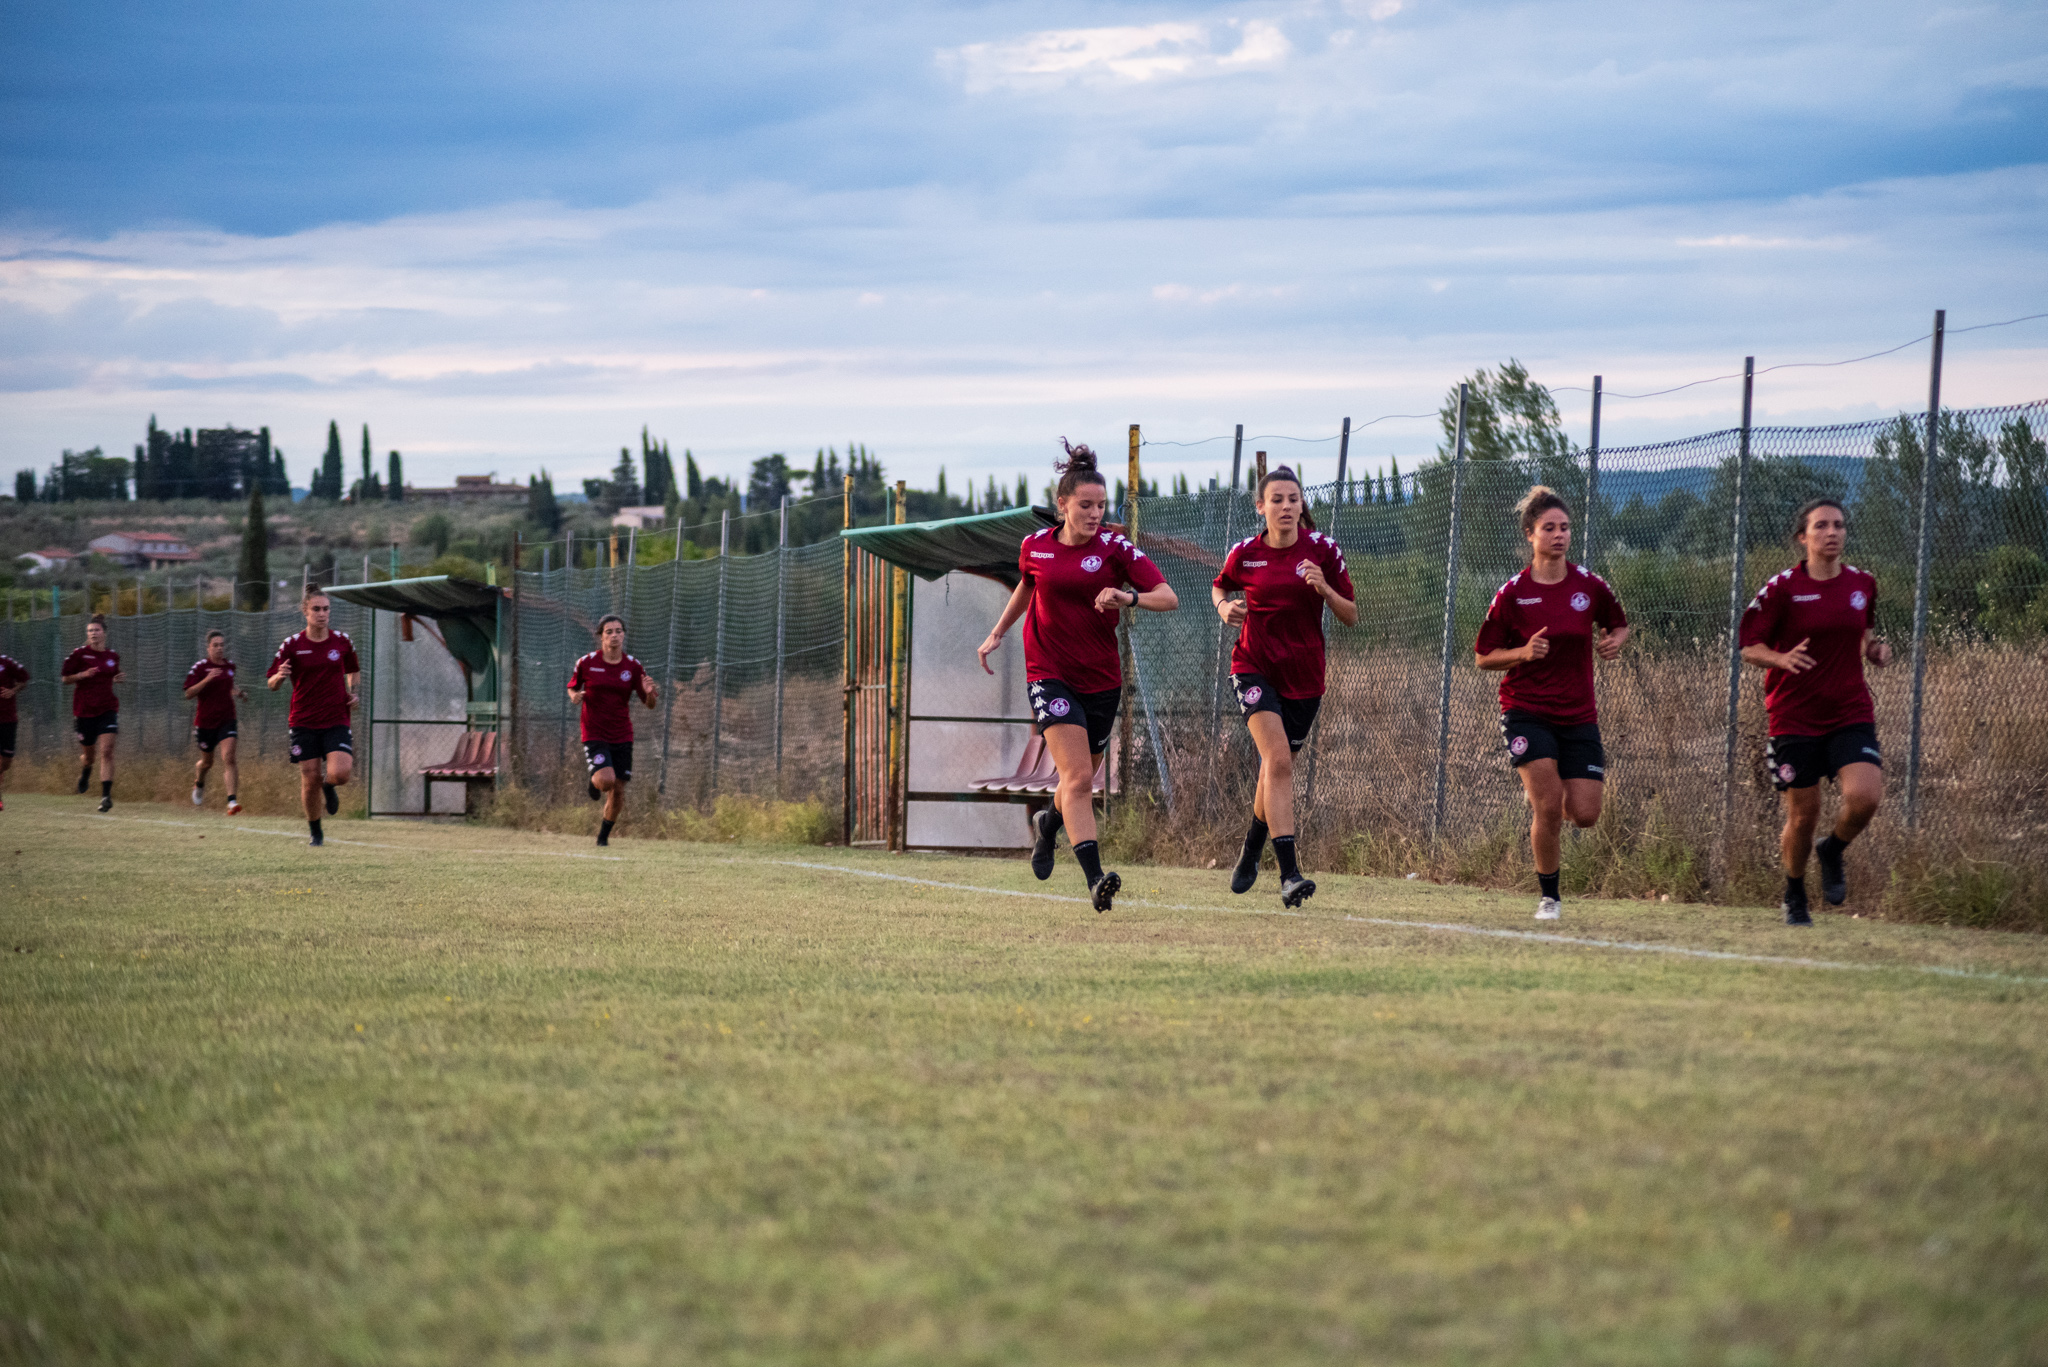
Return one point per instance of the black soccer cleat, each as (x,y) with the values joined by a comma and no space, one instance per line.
(1042,846)
(333,799)
(84,779)
(1834,879)
(1795,910)
(317,840)
(592,789)
(1105,889)
(107,804)
(605,841)
(1247,871)
(1295,891)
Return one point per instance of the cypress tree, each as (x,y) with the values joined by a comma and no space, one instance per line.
(1394,481)
(252,575)
(329,483)
(25,486)
(394,487)
(695,487)
(369,489)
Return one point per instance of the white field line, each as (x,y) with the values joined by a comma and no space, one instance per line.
(237,828)
(1458,928)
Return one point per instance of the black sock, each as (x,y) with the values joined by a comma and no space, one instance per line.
(84,777)
(1795,888)
(1283,851)
(1833,846)
(1091,860)
(231,797)
(604,828)
(314,826)
(106,787)
(1548,882)
(1254,840)
(199,782)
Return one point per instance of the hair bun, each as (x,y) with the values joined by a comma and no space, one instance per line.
(1080,457)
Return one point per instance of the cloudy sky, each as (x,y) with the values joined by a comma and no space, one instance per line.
(509,235)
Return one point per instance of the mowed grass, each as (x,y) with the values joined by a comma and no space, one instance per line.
(467,1094)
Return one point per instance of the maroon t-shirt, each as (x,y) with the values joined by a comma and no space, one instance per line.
(12,675)
(319,683)
(1830,615)
(217,699)
(608,691)
(1065,638)
(94,696)
(1558,687)
(1282,636)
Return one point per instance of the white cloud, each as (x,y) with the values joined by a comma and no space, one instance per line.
(1136,53)
(1745,242)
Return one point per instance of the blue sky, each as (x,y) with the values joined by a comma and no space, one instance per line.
(510,235)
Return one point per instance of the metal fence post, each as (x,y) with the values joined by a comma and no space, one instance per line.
(668,711)
(1343,463)
(1922,557)
(1736,595)
(1223,630)
(1592,482)
(1443,703)
(846,655)
(899,709)
(718,649)
(781,633)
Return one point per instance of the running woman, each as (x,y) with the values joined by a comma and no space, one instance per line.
(321,666)
(1072,581)
(95,711)
(1811,628)
(12,677)
(1543,628)
(1287,573)
(211,681)
(603,685)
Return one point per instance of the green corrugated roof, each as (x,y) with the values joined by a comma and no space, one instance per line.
(985,543)
(436,596)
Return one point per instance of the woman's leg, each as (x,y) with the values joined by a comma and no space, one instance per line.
(1802,815)
(1273,803)
(1582,798)
(107,757)
(230,771)
(1545,792)
(309,789)
(1862,790)
(1074,797)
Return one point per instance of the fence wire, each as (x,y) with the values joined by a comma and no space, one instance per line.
(748,647)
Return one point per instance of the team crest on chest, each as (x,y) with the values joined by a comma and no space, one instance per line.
(334,655)
(1091,563)
(1859,600)
(1301,569)
(1580,602)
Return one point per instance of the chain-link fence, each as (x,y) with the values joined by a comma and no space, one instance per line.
(750,648)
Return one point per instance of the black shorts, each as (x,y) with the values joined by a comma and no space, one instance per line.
(318,742)
(91,729)
(615,755)
(1055,704)
(1296,715)
(1803,761)
(206,737)
(7,729)
(1576,749)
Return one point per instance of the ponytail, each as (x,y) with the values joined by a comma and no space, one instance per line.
(1077,469)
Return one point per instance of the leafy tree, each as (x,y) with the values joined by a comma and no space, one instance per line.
(252,573)
(86,475)
(435,531)
(394,483)
(2025,457)
(768,481)
(25,486)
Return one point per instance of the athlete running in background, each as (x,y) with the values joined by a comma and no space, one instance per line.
(12,677)
(1072,582)
(1812,627)
(212,682)
(321,667)
(95,711)
(603,685)
(1544,628)
(1287,573)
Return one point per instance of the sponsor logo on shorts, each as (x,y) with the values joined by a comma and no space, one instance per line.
(1519,745)
(1527,602)
(1595,769)
(1580,602)
(1059,707)
(1091,563)
(1786,773)
(1859,600)
(1252,695)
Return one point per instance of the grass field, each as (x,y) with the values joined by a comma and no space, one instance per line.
(463,1094)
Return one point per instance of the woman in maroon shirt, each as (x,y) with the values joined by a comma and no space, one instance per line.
(1287,574)
(1543,628)
(603,685)
(1812,627)
(1072,581)
(95,711)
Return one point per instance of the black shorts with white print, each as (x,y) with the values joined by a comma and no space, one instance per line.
(206,737)
(1296,715)
(1803,761)
(1055,704)
(1576,749)
(318,742)
(616,756)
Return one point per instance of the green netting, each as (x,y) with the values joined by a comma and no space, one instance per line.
(985,543)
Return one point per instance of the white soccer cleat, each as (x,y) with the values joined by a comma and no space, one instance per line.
(1549,909)
(234,808)
(199,797)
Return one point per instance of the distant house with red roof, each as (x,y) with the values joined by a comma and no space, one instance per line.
(143,550)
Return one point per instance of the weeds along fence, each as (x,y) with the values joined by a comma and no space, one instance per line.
(1403,771)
